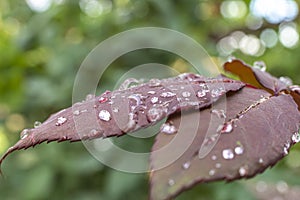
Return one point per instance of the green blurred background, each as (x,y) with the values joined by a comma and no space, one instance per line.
(42,44)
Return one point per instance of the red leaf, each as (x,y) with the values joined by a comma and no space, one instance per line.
(261,129)
(121,111)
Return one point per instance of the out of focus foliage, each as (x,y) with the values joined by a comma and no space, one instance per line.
(43,42)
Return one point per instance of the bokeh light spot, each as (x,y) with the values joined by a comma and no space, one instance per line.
(269,37)
(39,5)
(233,9)
(275,11)
(288,35)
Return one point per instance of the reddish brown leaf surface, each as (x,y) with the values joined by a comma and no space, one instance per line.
(263,128)
(255,76)
(115,113)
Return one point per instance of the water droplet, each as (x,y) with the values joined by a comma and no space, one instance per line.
(214,157)
(261,161)
(212,172)
(243,171)
(89,97)
(37,124)
(286,80)
(260,65)
(115,109)
(60,121)
(103,99)
(239,150)
(202,93)
(219,113)
(295,88)
(131,124)
(230,59)
(218,165)
(76,112)
(228,154)
(186,165)
(24,134)
(95,133)
(296,137)
(167,94)
(155,114)
(225,128)
(154,100)
(154,83)
(151,92)
(136,98)
(168,128)
(130,82)
(186,94)
(171,182)
(286,148)
(217,92)
(104,115)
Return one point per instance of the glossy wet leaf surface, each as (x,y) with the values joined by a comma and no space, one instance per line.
(263,131)
(126,110)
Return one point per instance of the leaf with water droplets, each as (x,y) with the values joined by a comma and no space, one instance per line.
(127,109)
(258,130)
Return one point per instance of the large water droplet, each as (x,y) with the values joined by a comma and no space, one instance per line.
(155,114)
(296,137)
(260,65)
(104,115)
(239,150)
(286,80)
(171,182)
(228,154)
(154,100)
(186,165)
(136,98)
(102,99)
(37,124)
(225,128)
(219,113)
(167,94)
(24,134)
(60,121)
(168,128)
